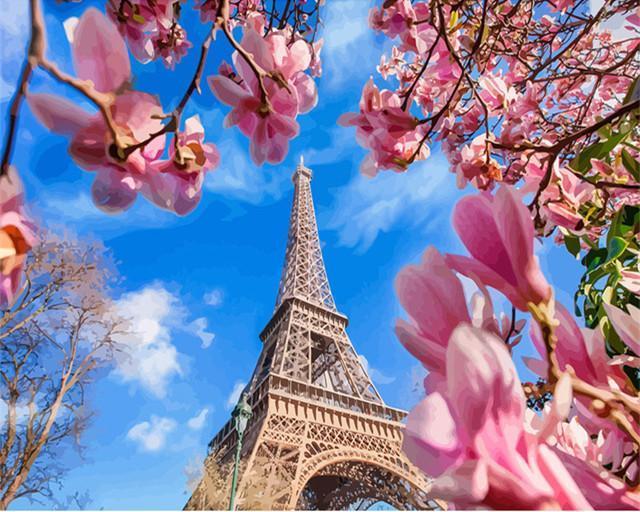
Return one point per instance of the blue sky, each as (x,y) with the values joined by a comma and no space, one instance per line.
(204,286)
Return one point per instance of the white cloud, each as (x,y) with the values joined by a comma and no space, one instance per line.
(77,208)
(14,34)
(149,357)
(376,375)
(151,435)
(214,298)
(239,178)
(350,52)
(198,421)
(199,328)
(234,396)
(193,470)
(366,207)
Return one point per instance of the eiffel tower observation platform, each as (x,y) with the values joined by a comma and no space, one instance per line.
(320,437)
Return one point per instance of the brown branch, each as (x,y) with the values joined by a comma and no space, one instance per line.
(223,23)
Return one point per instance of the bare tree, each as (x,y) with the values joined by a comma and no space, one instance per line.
(53,342)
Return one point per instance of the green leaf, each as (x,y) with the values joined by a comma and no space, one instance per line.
(573,244)
(631,165)
(616,247)
(594,258)
(598,150)
(630,215)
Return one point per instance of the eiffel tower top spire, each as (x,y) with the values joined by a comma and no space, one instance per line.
(303,274)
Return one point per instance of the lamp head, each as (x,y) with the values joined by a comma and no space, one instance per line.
(241,414)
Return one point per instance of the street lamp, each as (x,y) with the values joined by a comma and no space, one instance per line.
(241,415)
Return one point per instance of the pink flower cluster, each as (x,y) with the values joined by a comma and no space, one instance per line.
(266,101)
(151,28)
(478,80)
(473,433)
(100,56)
(387,130)
(17,237)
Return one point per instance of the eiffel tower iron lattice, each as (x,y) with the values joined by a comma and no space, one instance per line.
(320,436)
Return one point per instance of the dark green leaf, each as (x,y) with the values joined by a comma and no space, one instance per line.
(594,258)
(573,244)
(631,165)
(602,149)
(616,247)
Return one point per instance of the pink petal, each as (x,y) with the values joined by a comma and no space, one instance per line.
(486,244)
(537,366)
(226,90)
(305,87)
(467,483)
(99,52)
(58,114)
(430,438)
(255,44)
(490,385)
(278,149)
(476,270)
(627,325)
(113,191)
(169,189)
(430,353)
(434,298)
(298,59)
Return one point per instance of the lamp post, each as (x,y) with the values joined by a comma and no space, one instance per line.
(241,415)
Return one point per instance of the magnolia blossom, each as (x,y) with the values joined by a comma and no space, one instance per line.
(502,250)
(268,121)
(471,437)
(151,28)
(514,93)
(176,184)
(17,237)
(100,55)
(386,129)
(434,298)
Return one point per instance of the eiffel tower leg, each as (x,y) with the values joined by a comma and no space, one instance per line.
(269,481)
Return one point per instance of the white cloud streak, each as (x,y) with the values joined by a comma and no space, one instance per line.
(366,207)
(214,298)
(199,328)
(234,396)
(151,436)
(376,375)
(199,420)
(149,357)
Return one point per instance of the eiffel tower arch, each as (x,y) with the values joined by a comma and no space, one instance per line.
(320,436)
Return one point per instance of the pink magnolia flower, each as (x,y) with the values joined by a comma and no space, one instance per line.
(433,297)
(17,237)
(502,251)
(176,184)
(151,28)
(385,128)
(471,438)
(100,55)
(474,162)
(631,281)
(290,92)
(495,91)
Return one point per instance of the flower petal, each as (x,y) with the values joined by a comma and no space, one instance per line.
(99,52)
(58,114)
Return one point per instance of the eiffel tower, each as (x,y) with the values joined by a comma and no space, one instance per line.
(320,436)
